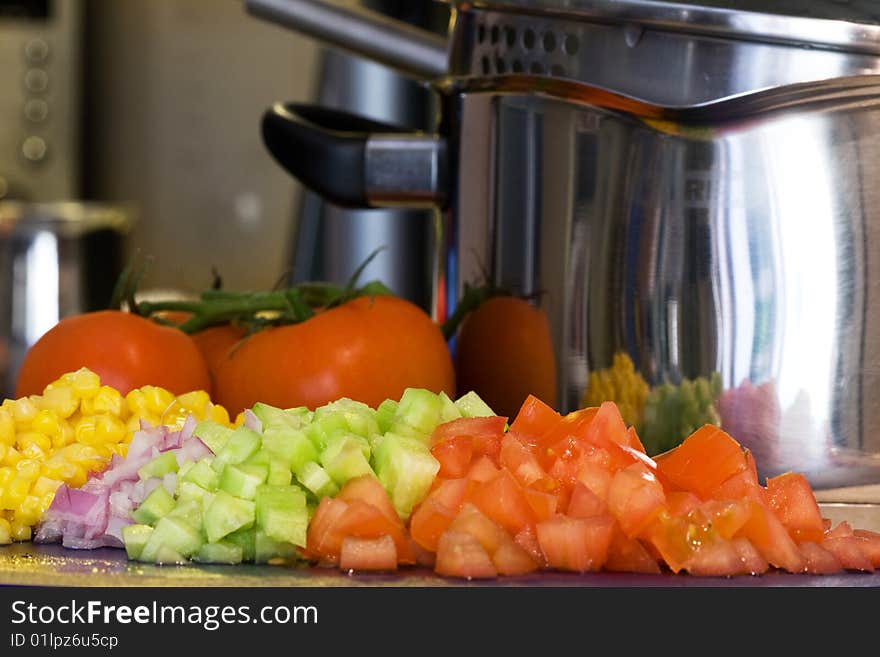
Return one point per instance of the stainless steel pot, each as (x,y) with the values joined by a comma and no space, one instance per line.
(690,186)
(56,259)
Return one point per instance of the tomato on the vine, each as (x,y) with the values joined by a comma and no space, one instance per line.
(368,349)
(504,352)
(127,351)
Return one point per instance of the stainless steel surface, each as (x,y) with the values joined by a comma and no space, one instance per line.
(364,32)
(672,68)
(696,244)
(25,564)
(406,170)
(56,260)
(40,102)
(852,25)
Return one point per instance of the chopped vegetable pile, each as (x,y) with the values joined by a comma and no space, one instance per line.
(425,480)
(71,430)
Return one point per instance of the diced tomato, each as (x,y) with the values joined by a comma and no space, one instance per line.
(723,558)
(535,418)
(368,553)
(543,504)
(454,455)
(517,458)
(670,537)
(727,517)
(363,520)
(428,522)
(635,498)
(850,552)
(423,557)
(594,476)
(573,425)
(502,499)
(633,440)
(451,492)
(460,554)
(475,427)
(511,559)
(628,555)
(871,547)
(528,541)
(681,502)
(482,470)
(743,485)
(791,498)
(323,538)
(705,459)
(485,433)
(368,489)
(578,544)
(772,540)
(471,521)
(584,503)
(843,528)
(819,561)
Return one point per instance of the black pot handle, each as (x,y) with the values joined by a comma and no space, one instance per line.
(352,161)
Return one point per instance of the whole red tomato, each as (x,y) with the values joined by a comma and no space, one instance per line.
(504,352)
(368,349)
(127,351)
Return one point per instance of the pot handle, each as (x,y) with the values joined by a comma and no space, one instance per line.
(363,32)
(355,162)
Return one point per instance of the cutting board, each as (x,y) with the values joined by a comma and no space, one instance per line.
(51,565)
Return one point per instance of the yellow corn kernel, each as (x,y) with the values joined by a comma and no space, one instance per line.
(44,486)
(28,512)
(84,382)
(3,449)
(34,451)
(24,410)
(15,492)
(6,475)
(46,422)
(61,469)
(195,402)
(65,436)
(5,532)
(59,399)
(117,448)
(79,476)
(12,456)
(84,430)
(27,438)
(158,399)
(19,531)
(136,401)
(7,426)
(108,400)
(218,414)
(109,429)
(28,468)
(239,419)
(46,501)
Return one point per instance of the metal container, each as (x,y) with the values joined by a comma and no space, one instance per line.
(690,186)
(56,259)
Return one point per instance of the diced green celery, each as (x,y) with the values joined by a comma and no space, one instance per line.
(168,556)
(279,473)
(267,548)
(448,410)
(420,409)
(227,514)
(135,537)
(160,466)
(188,491)
(406,468)
(242,444)
(173,534)
(289,445)
(346,457)
(385,414)
(188,511)
(242,480)
(244,539)
(213,434)
(359,418)
(221,552)
(315,478)
(202,474)
(282,513)
(156,505)
(471,405)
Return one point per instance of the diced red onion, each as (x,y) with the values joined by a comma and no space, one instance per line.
(252,422)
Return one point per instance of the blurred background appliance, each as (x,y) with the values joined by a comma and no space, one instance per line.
(41,45)
(331,242)
(56,259)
